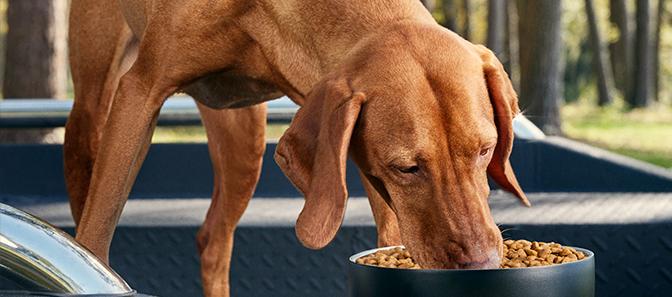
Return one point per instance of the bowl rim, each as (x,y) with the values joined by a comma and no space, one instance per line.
(353,259)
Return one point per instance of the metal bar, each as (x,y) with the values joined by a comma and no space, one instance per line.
(177,111)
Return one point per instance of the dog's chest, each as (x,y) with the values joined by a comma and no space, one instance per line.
(229,90)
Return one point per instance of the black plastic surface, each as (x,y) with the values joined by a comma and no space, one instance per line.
(632,260)
(184,170)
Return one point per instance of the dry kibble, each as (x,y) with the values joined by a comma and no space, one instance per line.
(393,258)
(565,252)
(517,254)
(521,253)
(530,252)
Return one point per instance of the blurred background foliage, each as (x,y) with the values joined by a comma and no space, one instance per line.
(614,117)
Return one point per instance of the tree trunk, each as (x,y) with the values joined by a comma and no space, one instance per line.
(429,4)
(656,50)
(36,65)
(496,27)
(600,66)
(466,20)
(541,64)
(620,49)
(35,61)
(449,14)
(641,94)
(511,64)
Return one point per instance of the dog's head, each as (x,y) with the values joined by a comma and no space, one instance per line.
(424,114)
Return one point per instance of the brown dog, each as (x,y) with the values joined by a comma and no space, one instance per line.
(424,113)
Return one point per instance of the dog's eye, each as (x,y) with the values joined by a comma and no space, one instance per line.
(484,152)
(409,169)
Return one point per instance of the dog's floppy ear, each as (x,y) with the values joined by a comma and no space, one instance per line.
(313,152)
(505,104)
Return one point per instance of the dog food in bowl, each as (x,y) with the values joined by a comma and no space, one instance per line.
(397,257)
(517,254)
(523,253)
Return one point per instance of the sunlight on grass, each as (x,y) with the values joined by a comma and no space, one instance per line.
(641,134)
(179,134)
(197,134)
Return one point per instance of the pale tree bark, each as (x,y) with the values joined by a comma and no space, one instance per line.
(496,33)
(601,67)
(35,60)
(620,49)
(641,94)
(541,63)
(449,14)
(660,12)
(466,19)
(511,64)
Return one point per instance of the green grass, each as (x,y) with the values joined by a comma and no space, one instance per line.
(197,134)
(662,160)
(644,134)
(179,134)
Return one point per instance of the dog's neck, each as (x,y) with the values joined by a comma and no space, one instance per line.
(304,40)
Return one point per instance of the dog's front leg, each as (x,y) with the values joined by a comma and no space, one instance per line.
(124,144)
(236,141)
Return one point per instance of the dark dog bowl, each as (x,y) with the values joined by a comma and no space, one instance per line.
(575,279)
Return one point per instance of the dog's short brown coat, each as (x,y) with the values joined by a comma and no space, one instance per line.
(422,112)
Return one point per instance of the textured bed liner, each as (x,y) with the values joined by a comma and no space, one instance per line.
(154,247)
(547,208)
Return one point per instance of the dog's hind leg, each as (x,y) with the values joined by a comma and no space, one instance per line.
(236,142)
(101,49)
